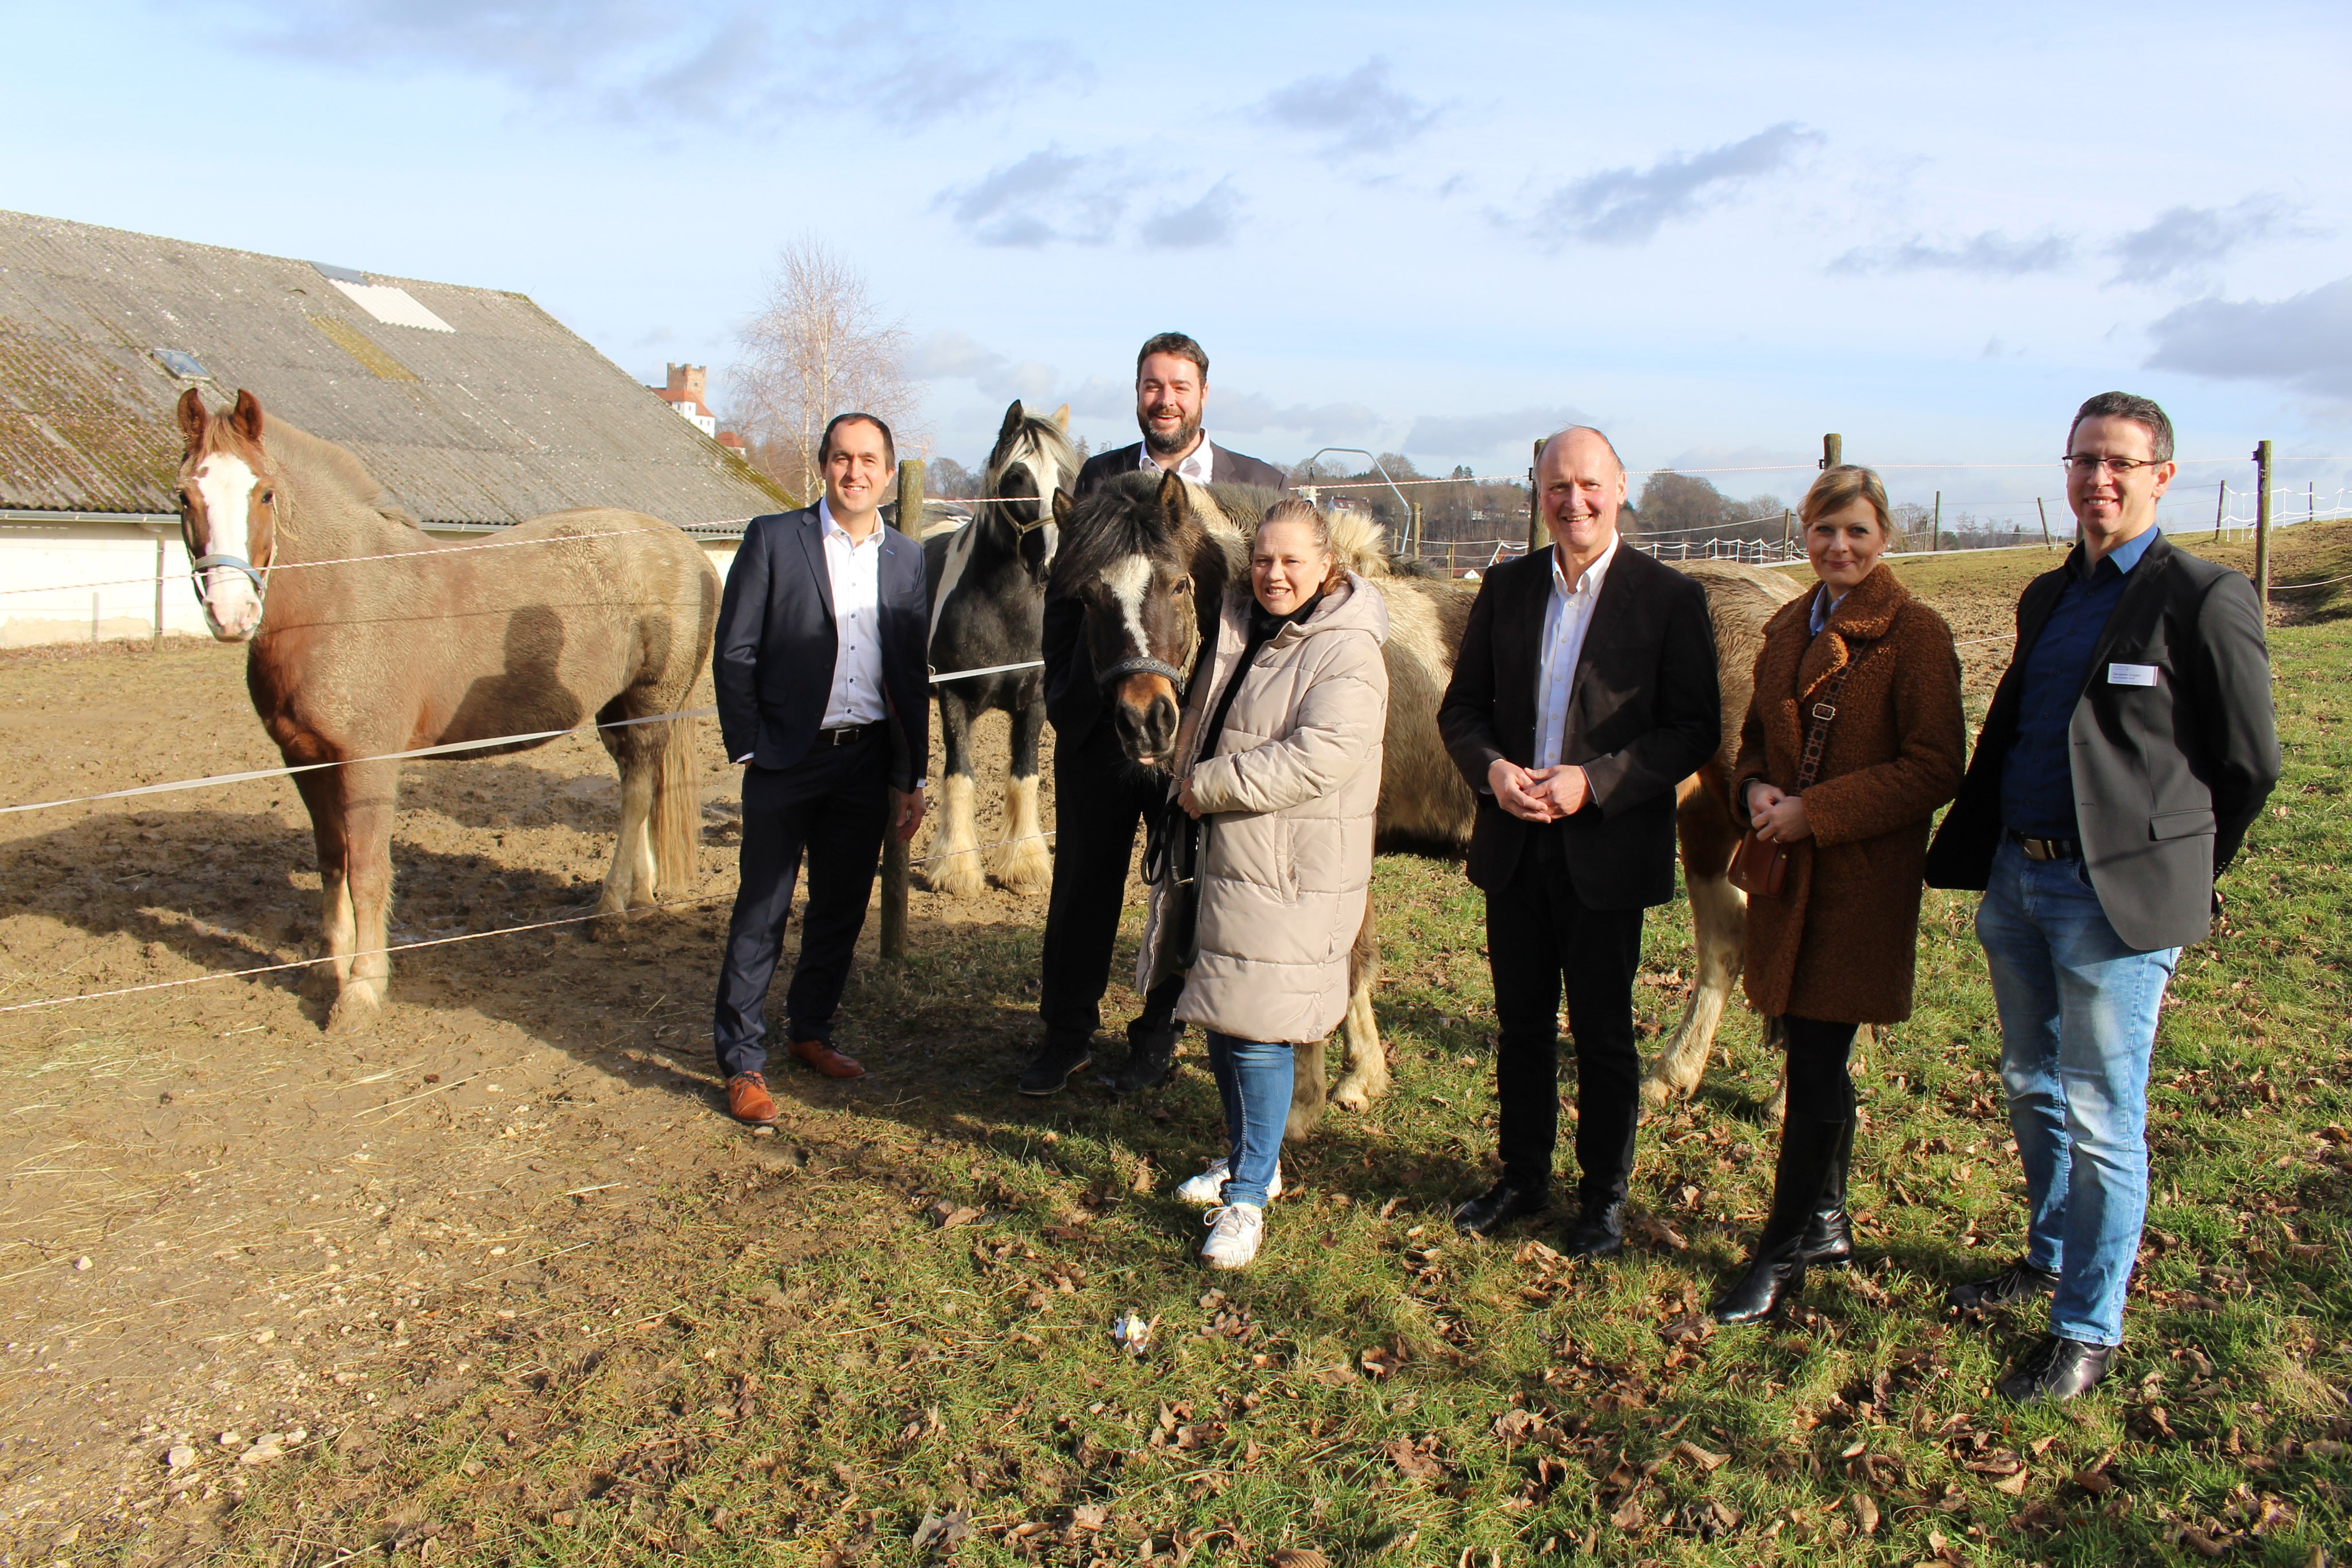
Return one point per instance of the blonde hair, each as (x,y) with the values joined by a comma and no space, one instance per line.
(1840,487)
(1297,509)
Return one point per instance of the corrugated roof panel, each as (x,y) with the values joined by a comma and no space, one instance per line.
(509,414)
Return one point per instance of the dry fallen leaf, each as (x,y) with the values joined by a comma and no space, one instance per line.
(1865,1512)
(947,1215)
(1300,1557)
(2014,1485)
(1698,1455)
(1410,1462)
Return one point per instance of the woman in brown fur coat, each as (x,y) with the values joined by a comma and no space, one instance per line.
(1835,949)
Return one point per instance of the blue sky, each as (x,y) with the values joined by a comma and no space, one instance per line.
(1717,232)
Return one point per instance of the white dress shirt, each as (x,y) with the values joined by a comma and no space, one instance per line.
(1198,465)
(855,569)
(1566,617)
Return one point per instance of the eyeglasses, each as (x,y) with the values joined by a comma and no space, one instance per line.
(2086,465)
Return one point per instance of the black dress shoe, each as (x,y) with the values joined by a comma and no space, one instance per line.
(1049,1071)
(1150,1059)
(2021,1281)
(1599,1231)
(1829,1237)
(1499,1206)
(1771,1279)
(2058,1368)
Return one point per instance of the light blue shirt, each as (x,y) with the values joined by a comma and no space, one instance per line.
(1824,607)
(1568,616)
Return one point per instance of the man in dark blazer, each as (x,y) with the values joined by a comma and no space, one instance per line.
(824,697)
(1098,796)
(2128,747)
(1584,693)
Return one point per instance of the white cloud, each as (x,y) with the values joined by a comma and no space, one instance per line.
(2304,342)
(1476,435)
(1037,200)
(904,65)
(1362,111)
(1991,254)
(1210,221)
(2187,241)
(1629,206)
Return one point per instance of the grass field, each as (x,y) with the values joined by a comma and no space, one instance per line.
(891,1342)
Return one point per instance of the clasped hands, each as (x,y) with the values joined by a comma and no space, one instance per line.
(1777,817)
(1538,794)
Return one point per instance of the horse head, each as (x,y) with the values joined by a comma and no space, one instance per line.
(1150,570)
(229,512)
(1032,460)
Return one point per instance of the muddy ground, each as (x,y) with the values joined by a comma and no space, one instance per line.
(218,1222)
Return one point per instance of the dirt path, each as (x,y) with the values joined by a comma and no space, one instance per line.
(216,1219)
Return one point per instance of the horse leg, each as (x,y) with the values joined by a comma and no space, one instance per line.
(1307,1089)
(1718,928)
(629,885)
(1368,1059)
(954,865)
(322,792)
(1028,865)
(370,800)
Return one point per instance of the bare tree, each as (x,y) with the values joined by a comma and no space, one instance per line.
(818,347)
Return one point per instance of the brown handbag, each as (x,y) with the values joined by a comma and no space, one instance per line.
(1760,867)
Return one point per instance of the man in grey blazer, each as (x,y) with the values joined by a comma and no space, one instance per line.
(2130,747)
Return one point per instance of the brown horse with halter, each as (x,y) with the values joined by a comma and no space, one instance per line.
(369,638)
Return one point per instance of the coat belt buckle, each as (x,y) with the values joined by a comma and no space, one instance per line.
(1824,712)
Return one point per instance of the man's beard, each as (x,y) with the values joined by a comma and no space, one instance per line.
(1175,445)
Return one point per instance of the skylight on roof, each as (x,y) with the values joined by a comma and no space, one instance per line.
(392,306)
(182,364)
(340,273)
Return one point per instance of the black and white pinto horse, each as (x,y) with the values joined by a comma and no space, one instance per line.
(988,601)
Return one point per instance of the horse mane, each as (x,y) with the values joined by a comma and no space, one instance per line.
(320,465)
(1045,434)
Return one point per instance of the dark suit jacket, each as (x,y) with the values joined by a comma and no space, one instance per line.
(1643,713)
(1073,698)
(774,662)
(2167,778)
(1225,468)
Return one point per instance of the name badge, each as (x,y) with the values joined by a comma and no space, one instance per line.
(2131,675)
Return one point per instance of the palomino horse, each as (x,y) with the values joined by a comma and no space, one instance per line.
(1149,562)
(988,604)
(421,644)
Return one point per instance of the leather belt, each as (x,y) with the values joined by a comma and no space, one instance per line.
(2047,848)
(848,734)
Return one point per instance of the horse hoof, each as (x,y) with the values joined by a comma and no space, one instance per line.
(1029,869)
(1655,1093)
(353,1013)
(1352,1100)
(957,877)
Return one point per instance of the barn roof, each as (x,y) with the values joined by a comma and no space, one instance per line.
(471,405)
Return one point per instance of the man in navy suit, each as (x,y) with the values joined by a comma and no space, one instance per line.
(823,695)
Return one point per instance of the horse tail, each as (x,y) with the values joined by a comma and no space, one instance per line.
(678,809)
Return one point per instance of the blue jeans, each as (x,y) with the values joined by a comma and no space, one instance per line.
(1254,1081)
(2078,1012)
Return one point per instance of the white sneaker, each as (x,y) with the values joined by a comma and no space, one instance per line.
(1208,1188)
(1235,1232)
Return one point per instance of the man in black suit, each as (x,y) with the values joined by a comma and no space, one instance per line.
(823,695)
(1100,796)
(2130,747)
(1584,693)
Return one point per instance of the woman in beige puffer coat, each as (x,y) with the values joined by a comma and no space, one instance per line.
(1279,760)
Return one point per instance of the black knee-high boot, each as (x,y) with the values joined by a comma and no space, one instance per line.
(1829,1238)
(1776,1269)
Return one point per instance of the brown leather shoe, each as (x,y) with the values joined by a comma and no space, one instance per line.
(825,1060)
(747,1099)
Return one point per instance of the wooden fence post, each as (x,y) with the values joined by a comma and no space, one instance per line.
(2263,525)
(2220,507)
(2044,514)
(895,852)
(1936,528)
(1535,502)
(157,640)
(1415,527)
(1788,520)
(1833,452)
